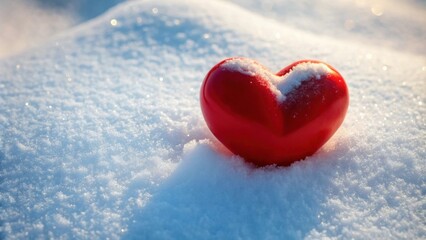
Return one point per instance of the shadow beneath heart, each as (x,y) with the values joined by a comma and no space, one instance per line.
(218,197)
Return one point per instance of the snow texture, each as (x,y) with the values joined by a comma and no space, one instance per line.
(279,85)
(299,73)
(251,67)
(101,133)
(247,67)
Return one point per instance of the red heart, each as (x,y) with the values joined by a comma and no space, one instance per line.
(271,118)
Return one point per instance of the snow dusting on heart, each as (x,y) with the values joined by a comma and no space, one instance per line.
(299,73)
(280,85)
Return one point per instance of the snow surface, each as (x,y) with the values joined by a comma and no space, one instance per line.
(279,85)
(101,134)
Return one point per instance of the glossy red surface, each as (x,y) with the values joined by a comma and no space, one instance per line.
(244,114)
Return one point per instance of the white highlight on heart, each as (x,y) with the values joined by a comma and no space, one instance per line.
(280,85)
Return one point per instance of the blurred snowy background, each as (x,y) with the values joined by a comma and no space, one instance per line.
(101,135)
(26,23)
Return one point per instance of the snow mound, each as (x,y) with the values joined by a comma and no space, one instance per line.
(101,135)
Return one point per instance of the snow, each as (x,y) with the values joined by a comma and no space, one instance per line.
(299,73)
(279,85)
(246,66)
(251,67)
(101,133)
(28,23)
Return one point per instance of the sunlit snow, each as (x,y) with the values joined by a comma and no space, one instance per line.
(101,133)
